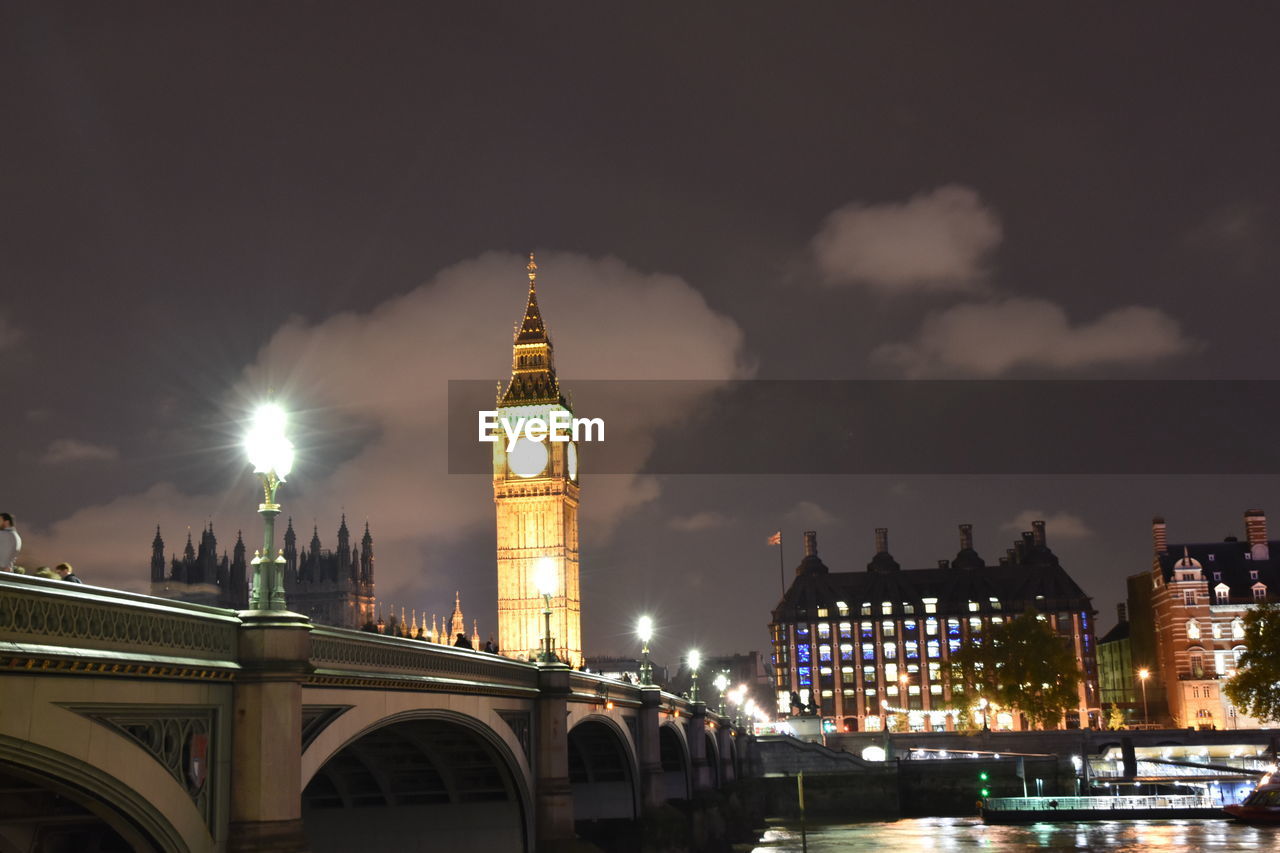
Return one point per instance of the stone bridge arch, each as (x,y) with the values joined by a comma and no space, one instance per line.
(427,771)
(603,770)
(677,765)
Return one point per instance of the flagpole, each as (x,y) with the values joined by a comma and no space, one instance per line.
(782,574)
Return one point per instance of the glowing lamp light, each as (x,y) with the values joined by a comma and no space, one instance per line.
(270,451)
(644,629)
(544,576)
(695,660)
(721,682)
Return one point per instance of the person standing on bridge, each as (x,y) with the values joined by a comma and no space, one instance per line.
(67,573)
(463,643)
(10,543)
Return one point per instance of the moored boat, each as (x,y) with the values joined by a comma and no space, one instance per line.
(1261,806)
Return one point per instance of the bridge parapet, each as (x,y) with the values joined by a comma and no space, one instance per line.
(50,624)
(343,657)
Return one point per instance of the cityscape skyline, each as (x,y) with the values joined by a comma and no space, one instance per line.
(1074,220)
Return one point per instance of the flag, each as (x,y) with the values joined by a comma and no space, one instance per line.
(775,539)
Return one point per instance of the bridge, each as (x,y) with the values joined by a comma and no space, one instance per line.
(129,722)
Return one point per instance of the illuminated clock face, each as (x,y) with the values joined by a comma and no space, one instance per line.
(527,458)
(573,461)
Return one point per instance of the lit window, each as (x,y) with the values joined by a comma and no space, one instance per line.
(1217,631)
(1222,593)
(913,689)
(890,651)
(887,628)
(846,674)
(846,631)
(1189,599)
(1253,575)
(868,630)
(911,649)
(975,625)
(846,651)
(931,627)
(866,608)
(824,670)
(890,672)
(908,607)
(953,627)
(802,654)
(1237,629)
(886,607)
(1259,592)
(908,624)
(824,654)
(1193,630)
(935,689)
(868,651)
(891,690)
(822,613)
(869,674)
(933,649)
(806,675)
(995,603)
(843,607)
(824,631)
(973,607)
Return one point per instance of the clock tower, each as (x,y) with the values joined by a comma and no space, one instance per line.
(535,488)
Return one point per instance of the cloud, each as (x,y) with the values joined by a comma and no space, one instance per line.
(699,521)
(1061,525)
(65,450)
(809,515)
(1237,232)
(10,335)
(933,241)
(989,339)
(382,376)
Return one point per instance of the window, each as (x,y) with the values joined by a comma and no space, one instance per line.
(1222,593)
(887,628)
(890,672)
(843,607)
(886,607)
(868,651)
(1217,576)
(824,654)
(1188,576)
(1237,629)
(908,624)
(824,630)
(953,627)
(866,608)
(1189,598)
(1197,664)
(935,672)
(846,631)
(995,603)
(869,674)
(868,630)
(890,651)
(973,607)
(930,605)
(1219,664)
(846,674)
(1259,592)
(1193,630)
(1217,630)
(822,613)
(806,675)
(802,630)
(802,654)
(846,651)
(824,670)
(931,627)
(1253,575)
(911,649)
(908,607)
(935,689)
(975,625)
(1195,692)
(933,649)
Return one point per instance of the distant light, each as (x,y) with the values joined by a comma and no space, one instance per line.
(268,448)
(695,659)
(873,753)
(644,628)
(544,576)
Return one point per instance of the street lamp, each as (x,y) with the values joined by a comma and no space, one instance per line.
(544,577)
(1143,675)
(695,661)
(644,630)
(271,454)
(721,682)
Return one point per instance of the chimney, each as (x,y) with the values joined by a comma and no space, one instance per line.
(1037,534)
(810,543)
(1255,526)
(1122,612)
(882,540)
(1159,538)
(966,537)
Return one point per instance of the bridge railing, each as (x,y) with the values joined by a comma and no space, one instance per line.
(53,624)
(340,655)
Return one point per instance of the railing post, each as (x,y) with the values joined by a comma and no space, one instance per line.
(266,765)
(554,798)
(648,728)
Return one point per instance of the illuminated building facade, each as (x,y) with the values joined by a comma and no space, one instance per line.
(872,649)
(1200,594)
(535,489)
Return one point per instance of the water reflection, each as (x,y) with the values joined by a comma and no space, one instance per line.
(1147,836)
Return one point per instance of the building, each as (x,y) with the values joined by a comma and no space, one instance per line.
(1199,595)
(862,646)
(1115,667)
(535,490)
(200,576)
(331,587)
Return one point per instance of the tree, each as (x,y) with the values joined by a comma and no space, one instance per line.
(1255,688)
(1115,717)
(1023,666)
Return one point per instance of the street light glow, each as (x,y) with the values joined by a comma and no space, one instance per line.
(270,451)
(644,629)
(1144,674)
(695,660)
(544,576)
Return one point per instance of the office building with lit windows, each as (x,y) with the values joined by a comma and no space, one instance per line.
(871,649)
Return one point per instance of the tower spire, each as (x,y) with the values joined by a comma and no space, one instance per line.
(533,373)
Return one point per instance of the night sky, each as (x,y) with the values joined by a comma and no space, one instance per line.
(336,200)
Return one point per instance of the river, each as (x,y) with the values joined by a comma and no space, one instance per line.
(970,834)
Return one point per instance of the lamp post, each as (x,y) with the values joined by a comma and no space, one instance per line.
(721,682)
(545,579)
(271,454)
(903,681)
(695,661)
(1143,675)
(644,630)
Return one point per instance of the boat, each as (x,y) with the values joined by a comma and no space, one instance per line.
(1000,810)
(1261,806)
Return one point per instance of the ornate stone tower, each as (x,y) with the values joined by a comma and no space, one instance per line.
(535,488)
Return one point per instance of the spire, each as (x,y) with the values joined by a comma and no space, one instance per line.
(157,558)
(533,373)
